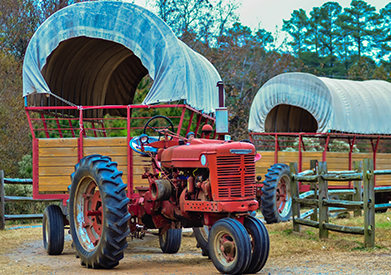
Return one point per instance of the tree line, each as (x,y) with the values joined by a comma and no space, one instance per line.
(351,43)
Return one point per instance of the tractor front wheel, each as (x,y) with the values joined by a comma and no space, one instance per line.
(170,241)
(229,246)
(53,230)
(276,200)
(98,212)
(260,244)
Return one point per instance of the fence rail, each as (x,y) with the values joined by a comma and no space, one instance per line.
(364,172)
(3,199)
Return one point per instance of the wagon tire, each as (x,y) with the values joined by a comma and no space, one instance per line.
(260,244)
(98,212)
(276,199)
(53,230)
(229,246)
(170,241)
(201,234)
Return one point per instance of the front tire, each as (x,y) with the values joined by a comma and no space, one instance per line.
(260,244)
(276,199)
(98,212)
(170,241)
(229,246)
(53,230)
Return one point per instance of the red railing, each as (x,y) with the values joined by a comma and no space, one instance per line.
(50,122)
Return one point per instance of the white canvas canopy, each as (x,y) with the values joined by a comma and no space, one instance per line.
(96,53)
(301,102)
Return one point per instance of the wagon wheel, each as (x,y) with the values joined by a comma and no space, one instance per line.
(276,200)
(98,212)
(170,241)
(229,246)
(154,125)
(53,230)
(260,244)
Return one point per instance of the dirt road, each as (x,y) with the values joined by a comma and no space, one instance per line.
(145,257)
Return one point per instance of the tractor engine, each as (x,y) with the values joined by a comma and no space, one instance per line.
(196,182)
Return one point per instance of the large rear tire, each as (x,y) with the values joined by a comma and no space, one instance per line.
(170,241)
(229,246)
(276,199)
(98,212)
(53,230)
(260,244)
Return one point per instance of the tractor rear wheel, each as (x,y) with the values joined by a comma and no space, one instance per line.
(229,246)
(170,241)
(201,234)
(260,244)
(53,230)
(98,212)
(276,199)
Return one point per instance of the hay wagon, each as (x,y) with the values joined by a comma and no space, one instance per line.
(122,168)
(298,117)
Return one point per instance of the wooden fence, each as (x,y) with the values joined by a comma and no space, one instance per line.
(3,199)
(363,194)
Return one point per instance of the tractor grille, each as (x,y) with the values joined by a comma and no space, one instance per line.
(235,182)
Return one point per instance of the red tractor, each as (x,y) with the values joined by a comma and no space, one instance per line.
(193,182)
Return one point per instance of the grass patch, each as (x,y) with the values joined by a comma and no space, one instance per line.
(284,241)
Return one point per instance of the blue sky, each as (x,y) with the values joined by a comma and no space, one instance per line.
(269,13)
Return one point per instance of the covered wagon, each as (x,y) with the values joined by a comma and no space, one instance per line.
(298,117)
(118,171)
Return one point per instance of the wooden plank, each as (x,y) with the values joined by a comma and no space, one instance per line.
(323,194)
(106,151)
(57,152)
(56,171)
(57,142)
(105,142)
(57,161)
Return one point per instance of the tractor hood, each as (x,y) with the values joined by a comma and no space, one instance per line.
(197,152)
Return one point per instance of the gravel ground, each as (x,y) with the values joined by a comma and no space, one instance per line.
(145,257)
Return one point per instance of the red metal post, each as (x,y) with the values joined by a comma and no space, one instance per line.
(300,154)
(275,148)
(30,124)
(59,127)
(351,144)
(130,154)
(44,125)
(70,125)
(198,125)
(190,121)
(326,148)
(35,168)
(178,132)
(94,129)
(81,134)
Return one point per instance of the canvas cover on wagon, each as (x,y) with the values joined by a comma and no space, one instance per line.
(96,53)
(302,102)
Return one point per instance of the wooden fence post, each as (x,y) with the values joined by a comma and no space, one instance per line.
(314,187)
(323,195)
(369,203)
(295,195)
(357,165)
(2,206)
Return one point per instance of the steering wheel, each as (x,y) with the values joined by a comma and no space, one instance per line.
(135,144)
(157,120)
